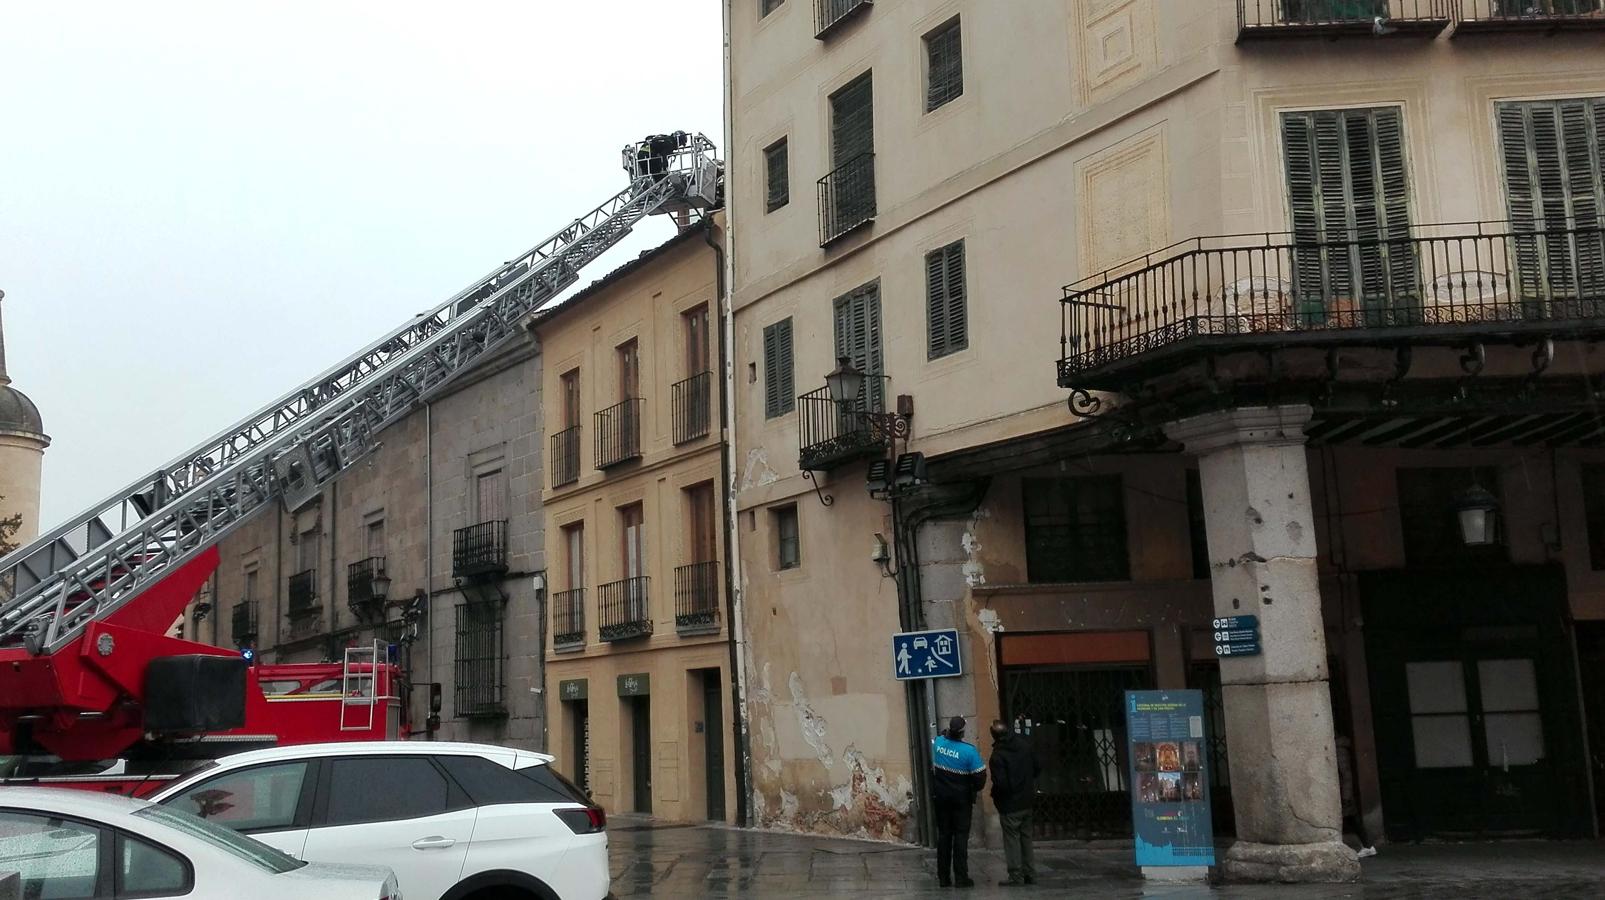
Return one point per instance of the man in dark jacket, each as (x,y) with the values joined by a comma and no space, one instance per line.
(1014,789)
(957,775)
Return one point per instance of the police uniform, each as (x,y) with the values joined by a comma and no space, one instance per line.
(957,776)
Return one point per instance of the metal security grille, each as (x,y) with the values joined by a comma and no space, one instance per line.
(777,175)
(692,400)
(944,66)
(479,661)
(946,315)
(778,381)
(1074,721)
(1075,529)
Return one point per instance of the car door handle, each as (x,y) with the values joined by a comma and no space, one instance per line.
(433,842)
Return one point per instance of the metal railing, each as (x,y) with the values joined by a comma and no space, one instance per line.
(359,581)
(566,456)
(478,668)
(479,550)
(1522,15)
(302,589)
(692,400)
(847,198)
(1267,18)
(618,433)
(568,619)
(1448,281)
(831,14)
(696,598)
(244,630)
(626,609)
(835,433)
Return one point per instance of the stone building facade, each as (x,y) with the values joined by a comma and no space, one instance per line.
(1284,425)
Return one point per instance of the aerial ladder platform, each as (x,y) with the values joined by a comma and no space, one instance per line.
(86,607)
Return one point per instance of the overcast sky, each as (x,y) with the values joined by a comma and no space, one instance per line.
(202,205)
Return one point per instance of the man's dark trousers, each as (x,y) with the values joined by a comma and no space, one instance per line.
(1017,851)
(953,840)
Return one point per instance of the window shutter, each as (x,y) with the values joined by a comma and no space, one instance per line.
(779,398)
(958,323)
(1333,195)
(1298,141)
(777,175)
(1579,129)
(935,305)
(788,390)
(1555,192)
(858,337)
(1397,255)
(946,317)
(1521,195)
(944,66)
(852,121)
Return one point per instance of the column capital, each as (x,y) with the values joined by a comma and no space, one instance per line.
(1269,426)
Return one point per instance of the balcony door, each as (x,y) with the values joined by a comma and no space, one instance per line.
(571,399)
(574,537)
(852,145)
(490,500)
(1349,198)
(704,524)
(632,521)
(696,341)
(858,337)
(629,371)
(1555,190)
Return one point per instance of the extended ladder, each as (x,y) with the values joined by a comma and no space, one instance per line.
(98,561)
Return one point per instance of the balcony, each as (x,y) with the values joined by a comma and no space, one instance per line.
(837,433)
(361,597)
(693,407)
(626,610)
(244,629)
(1428,284)
(479,550)
(568,619)
(1258,19)
(847,199)
(696,598)
(566,457)
(1489,16)
(618,433)
(830,15)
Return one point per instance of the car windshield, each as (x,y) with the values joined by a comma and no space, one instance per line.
(254,852)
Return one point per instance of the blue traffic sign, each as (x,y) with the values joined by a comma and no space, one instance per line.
(1234,623)
(248,654)
(926,654)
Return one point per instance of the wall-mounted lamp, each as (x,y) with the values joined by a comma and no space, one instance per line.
(1478,511)
(379,587)
(538,582)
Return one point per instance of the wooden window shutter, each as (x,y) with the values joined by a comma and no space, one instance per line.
(1555,193)
(779,398)
(852,122)
(777,175)
(858,337)
(946,316)
(1298,141)
(944,66)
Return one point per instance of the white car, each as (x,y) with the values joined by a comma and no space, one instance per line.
(455,821)
(78,845)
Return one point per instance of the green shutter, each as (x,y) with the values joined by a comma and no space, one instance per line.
(858,337)
(944,66)
(1309,267)
(777,175)
(1555,191)
(852,121)
(946,317)
(779,396)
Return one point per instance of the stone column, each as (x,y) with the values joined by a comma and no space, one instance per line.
(1278,709)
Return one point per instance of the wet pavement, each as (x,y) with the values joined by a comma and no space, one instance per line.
(712,863)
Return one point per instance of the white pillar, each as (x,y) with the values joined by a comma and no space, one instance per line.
(1278,709)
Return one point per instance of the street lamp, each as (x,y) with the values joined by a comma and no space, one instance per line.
(1478,511)
(379,587)
(844,383)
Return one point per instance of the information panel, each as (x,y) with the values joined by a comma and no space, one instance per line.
(1169,778)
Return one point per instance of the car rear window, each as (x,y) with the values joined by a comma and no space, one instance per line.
(489,783)
(386,789)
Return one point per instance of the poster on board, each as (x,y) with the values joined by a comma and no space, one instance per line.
(1169,778)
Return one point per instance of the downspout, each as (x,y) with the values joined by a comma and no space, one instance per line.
(738,719)
(334,556)
(429,547)
(278,581)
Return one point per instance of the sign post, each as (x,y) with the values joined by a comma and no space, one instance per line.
(1170,814)
(1236,636)
(926,654)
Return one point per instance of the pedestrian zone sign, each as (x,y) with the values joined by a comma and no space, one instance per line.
(926,654)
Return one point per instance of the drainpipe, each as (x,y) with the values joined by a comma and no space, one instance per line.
(334,556)
(428,629)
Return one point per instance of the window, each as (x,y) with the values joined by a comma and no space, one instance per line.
(788,542)
(490,499)
(376,538)
(1075,529)
(308,548)
(489,783)
(1554,183)
(847,193)
(243,848)
(1430,522)
(632,530)
(571,399)
(1348,193)
(768,6)
(702,520)
(1197,536)
(696,340)
(858,337)
(385,789)
(574,543)
(852,121)
(947,320)
(250,586)
(55,858)
(944,66)
(780,395)
(146,870)
(777,176)
(264,798)
(629,354)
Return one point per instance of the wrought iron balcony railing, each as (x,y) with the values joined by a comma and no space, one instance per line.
(1423,284)
(359,584)
(1380,18)
(832,14)
(626,609)
(303,593)
(566,457)
(696,598)
(568,619)
(847,199)
(1528,15)
(618,433)
(693,407)
(479,550)
(836,433)
(244,623)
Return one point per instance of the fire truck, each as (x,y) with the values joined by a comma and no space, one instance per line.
(94,693)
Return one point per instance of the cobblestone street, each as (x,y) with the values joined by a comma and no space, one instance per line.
(714,863)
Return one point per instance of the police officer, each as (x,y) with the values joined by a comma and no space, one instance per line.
(958,774)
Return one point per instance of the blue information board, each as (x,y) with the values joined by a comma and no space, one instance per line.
(926,654)
(1169,778)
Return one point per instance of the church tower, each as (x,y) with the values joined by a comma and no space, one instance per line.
(22,452)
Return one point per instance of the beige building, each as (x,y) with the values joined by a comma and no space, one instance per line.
(639,658)
(1282,424)
(433,544)
(22,452)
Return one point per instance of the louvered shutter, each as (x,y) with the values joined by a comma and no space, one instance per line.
(779,398)
(1555,192)
(1521,196)
(944,66)
(1581,131)
(935,304)
(777,175)
(958,319)
(1309,267)
(858,337)
(946,316)
(852,123)
(1402,274)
